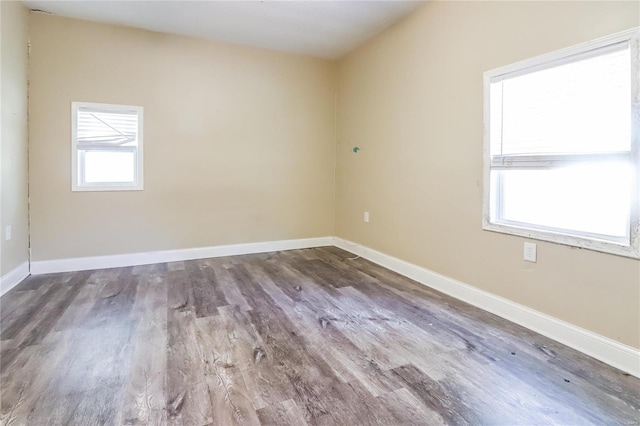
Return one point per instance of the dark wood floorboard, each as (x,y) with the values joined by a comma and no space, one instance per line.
(302,337)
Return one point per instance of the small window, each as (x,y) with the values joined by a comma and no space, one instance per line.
(562,159)
(106,147)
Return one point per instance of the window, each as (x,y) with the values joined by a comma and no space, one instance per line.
(562,146)
(106,147)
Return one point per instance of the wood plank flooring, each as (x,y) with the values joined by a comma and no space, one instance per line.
(299,337)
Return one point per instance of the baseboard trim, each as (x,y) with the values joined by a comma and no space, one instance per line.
(134,259)
(14,277)
(602,348)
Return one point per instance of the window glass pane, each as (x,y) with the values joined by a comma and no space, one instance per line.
(109,167)
(580,107)
(107,127)
(592,197)
(495,117)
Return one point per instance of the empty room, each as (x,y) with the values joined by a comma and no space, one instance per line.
(319,212)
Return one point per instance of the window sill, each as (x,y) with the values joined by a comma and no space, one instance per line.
(106,188)
(631,251)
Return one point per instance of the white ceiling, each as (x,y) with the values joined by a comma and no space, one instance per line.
(326,29)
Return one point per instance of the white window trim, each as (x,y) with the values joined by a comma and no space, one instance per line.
(632,36)
(138,184)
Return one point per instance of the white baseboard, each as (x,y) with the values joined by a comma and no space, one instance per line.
(602,348)
(14,277)
(133,259)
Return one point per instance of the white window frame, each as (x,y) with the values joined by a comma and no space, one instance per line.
(630,247)
(77,174)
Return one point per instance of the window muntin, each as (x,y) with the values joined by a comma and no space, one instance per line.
(561,146)
(106,147)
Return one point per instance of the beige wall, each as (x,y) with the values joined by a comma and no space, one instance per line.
(14,212)
(238,142)
(411,99)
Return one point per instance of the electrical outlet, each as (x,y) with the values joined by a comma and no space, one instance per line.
(366,217)
(530,252)
(7,233)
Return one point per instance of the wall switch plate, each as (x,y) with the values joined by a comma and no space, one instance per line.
(7,233)
(530,252)
(366,217)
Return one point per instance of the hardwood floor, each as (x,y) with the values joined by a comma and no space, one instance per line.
(298,337)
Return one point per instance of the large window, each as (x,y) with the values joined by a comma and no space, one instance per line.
(562,159)
(106,147)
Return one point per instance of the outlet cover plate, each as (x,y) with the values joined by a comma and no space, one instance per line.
(530,252)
